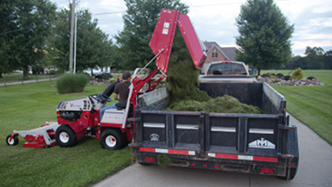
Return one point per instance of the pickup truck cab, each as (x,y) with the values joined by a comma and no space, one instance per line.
(227,71)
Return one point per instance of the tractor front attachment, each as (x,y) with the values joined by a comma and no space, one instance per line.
(42,137)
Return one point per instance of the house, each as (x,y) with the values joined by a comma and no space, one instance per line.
(216,53)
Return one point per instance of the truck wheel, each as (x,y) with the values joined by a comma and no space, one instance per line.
(14,141)
(112,139)
(292,174)
(65,136)
(144,164)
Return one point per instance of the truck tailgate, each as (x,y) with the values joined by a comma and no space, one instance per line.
(247,137)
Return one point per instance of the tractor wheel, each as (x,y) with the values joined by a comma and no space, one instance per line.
(112,139)
(14,141)
(65,136)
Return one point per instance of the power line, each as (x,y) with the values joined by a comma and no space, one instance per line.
(104,13)
(219,4)
(26,28)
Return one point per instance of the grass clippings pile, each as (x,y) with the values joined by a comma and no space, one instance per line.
(182,87)
(224,104)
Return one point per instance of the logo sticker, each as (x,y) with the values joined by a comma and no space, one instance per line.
(154,137)
(166,25)
(165,31)
(165,28)
(262,143)
(74,105)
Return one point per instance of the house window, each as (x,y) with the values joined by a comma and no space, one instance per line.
(214,54)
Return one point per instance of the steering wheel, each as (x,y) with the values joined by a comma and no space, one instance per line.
(104,97)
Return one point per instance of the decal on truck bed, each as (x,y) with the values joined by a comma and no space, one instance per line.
(262,143)
(154,137)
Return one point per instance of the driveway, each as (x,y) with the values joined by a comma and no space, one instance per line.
(314,170)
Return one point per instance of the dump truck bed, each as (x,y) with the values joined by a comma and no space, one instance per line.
(252,143)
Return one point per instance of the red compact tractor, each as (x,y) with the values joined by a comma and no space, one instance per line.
(82,117)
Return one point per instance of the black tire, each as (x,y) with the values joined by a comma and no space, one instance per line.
(65,136)
(292,174)
(112,139)
(13,142)
(144,164)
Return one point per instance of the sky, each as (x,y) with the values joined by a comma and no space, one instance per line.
(214,20)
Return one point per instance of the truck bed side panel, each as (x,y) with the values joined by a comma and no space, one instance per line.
(248,93)
(275,97)
(257,94)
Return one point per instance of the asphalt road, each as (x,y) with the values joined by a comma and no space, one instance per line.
(315,170)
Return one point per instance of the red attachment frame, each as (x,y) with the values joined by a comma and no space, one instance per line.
(194,46)
(163,36)
(38,141)
(138,84)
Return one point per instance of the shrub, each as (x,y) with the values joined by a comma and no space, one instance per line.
(70,83)
(280,75)
(52,72)
(112,80)
(287,77)
(272,76)
(297,74)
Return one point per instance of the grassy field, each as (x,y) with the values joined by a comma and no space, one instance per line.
(28,106)
(312,105)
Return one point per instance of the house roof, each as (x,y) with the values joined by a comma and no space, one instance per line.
(228,52)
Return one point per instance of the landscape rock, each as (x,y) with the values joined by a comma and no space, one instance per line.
(284,81)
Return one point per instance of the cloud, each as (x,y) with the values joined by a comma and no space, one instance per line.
(312,43)
(214,20)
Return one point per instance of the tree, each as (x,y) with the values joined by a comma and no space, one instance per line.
(94,49)
(139,23)
(27,27)
(295,62)
(314,58)
(7,22)
(328,60)
(264,35)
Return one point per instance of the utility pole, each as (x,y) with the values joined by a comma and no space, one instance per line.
(71,36)
(75,39)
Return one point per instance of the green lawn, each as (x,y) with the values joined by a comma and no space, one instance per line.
(310,104)
(28,106)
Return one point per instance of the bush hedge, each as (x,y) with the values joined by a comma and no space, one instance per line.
(70,83)
(297,74)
